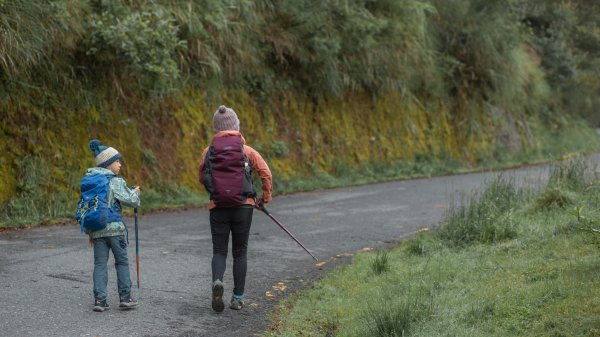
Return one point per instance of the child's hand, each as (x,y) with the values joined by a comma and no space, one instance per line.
(137,190)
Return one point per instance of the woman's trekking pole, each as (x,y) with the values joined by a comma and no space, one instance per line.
(137,248)
(262,208)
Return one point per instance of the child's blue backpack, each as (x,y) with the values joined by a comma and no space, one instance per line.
(93,211)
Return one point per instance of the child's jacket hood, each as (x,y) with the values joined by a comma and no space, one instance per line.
(99,170)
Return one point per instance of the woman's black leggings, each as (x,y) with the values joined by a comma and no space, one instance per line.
(236,220)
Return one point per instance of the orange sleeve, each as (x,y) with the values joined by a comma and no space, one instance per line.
(201,167)
(260,166)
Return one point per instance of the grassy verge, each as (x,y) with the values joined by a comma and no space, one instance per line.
(511,261)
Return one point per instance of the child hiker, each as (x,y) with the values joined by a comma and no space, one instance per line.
(110,234)
(226,172)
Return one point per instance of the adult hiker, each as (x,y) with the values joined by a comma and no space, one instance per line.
(104,192)
(226,170)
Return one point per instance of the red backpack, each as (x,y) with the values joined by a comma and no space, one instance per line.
(227,172)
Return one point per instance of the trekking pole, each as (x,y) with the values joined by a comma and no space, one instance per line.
(137,248)
(262,208)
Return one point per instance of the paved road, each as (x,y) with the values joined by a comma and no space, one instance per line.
(46,273)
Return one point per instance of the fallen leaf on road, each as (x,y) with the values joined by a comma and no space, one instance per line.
(280,286)
(344,254)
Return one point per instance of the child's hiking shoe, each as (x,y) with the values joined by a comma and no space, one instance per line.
(127,303)
(217,296)
(237,303)
(100,306)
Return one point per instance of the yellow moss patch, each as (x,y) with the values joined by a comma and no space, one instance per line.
(162,143)
(9,183)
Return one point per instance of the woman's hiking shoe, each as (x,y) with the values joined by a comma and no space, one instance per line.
(217,296)
(100,306)
(236,303)
(127,303)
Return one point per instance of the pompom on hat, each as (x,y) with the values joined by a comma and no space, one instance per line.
(104,155)
(225,119)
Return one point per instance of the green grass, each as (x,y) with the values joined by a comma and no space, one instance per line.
(381,263)
(486,218)
(542,280)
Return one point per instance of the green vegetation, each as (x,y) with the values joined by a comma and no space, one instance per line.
(380,263)
(331,92)
(481,219)
(502,264)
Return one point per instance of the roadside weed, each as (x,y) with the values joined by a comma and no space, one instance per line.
(487,217)
(380,263)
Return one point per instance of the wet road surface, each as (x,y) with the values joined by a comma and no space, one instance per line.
(46,273)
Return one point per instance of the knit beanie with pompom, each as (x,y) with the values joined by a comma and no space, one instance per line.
(225,119)
(104,155)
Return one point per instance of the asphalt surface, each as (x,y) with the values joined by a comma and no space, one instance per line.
(46,273)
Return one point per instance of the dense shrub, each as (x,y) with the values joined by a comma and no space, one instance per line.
(145,43)
(460,51)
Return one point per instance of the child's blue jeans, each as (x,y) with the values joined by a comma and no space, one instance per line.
(102,246)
